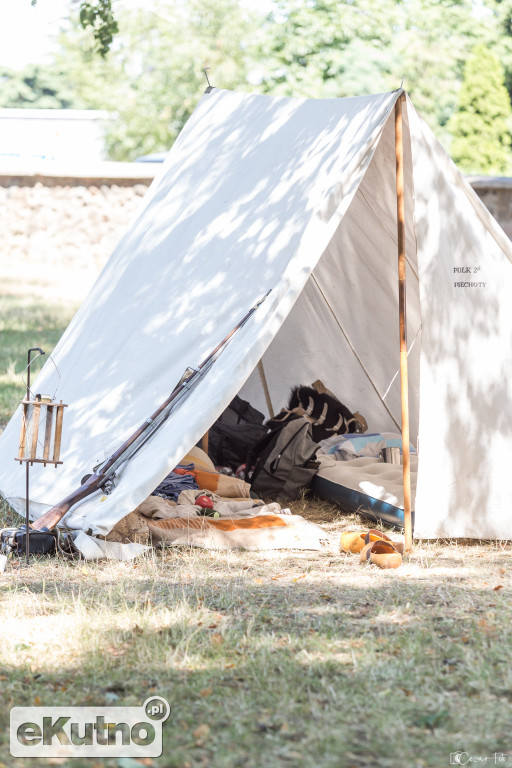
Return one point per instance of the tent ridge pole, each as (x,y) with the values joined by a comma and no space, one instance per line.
(404,380)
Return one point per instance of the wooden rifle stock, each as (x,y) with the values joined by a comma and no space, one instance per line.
(51,518)
(101,474)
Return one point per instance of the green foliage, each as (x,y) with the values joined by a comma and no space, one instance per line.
(35,87)
(153,76)
(481,125)
(100,17)
(329,48)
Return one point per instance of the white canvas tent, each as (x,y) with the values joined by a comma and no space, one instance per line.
(297,196)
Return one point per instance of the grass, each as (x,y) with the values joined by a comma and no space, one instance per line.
(26,321)
(275,659)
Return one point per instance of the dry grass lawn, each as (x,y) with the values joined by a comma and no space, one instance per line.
(269,659)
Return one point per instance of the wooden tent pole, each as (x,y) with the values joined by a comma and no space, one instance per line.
(404,380)
(263,378)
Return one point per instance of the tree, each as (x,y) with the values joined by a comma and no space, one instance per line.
(481,125)
(153,76)
(348,47)
(328,48)
(36,87)
(98,15)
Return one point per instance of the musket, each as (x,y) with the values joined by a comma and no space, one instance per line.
(102,477)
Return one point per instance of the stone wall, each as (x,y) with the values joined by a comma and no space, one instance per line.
(496,194)
(73,220)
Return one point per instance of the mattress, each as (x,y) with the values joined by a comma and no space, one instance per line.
(366,485)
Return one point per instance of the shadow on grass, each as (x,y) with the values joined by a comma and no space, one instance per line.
(329,673)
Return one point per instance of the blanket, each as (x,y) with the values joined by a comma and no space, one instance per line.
(252,533)
(263,531)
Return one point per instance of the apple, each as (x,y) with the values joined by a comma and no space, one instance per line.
(205,502)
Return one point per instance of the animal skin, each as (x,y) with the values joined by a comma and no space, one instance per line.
(328,416)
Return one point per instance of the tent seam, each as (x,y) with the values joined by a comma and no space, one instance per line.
(315,279)
(386,230)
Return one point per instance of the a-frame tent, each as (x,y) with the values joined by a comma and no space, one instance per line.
(298,197)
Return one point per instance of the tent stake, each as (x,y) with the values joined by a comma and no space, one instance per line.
(404,381)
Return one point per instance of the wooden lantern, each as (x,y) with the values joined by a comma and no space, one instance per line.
(41,431)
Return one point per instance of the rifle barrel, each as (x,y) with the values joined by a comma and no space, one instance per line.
(95,481)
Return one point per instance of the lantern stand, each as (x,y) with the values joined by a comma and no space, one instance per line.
(29,437)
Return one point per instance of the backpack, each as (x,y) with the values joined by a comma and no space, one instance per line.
(235,433)
(284,461)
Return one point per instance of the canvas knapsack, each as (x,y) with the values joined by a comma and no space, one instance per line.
(235,433)
(284,461)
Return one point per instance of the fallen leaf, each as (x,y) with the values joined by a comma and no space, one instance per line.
(303,576)
(277,576)
(37,701)
(217,639)
(258,581)
(206,692)
(117,650)
(500,586)
(229,666)
(202,732)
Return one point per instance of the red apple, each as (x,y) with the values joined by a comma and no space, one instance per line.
(205,502)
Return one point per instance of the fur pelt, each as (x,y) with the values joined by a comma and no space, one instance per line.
(328,416)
